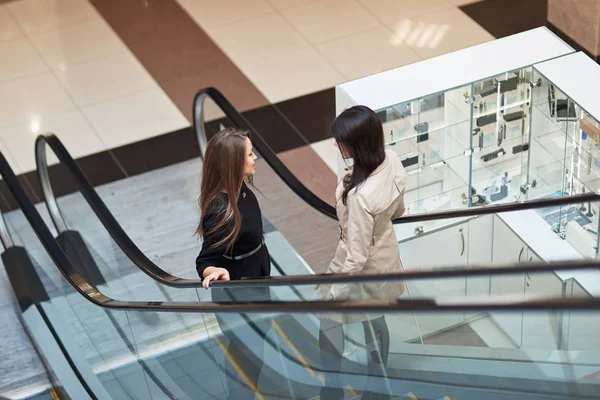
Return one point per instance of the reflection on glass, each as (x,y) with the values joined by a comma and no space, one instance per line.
(563,163)
(467,146)
(335,355)
(506,138)
(430,136)
(501,136)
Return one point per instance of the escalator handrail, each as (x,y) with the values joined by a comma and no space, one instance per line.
(97,204)
(155,272)
(91,293)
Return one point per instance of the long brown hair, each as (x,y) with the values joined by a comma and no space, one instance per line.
(223,172)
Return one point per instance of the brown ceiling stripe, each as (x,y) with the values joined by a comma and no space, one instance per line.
(177,52)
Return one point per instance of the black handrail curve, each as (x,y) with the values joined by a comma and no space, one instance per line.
(102,212)
(91,293)
(155,272)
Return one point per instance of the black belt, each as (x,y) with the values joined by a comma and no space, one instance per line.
(251,253)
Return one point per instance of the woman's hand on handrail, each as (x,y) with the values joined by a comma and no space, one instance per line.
(214,274)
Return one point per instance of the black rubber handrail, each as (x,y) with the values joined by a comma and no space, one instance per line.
(155,272)
(91,293)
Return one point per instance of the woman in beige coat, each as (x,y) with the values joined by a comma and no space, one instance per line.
(369,197)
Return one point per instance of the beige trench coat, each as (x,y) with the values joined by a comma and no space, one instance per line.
(367,243)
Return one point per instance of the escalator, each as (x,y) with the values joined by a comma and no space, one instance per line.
(184,356)
(162,340)
(98,226)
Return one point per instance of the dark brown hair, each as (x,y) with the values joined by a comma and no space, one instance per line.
(358,131)
(223,172)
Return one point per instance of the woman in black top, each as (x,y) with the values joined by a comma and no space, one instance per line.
(233,248)
(249,238)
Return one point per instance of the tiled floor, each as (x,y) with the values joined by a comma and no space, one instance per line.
(277,76)
(67,49)
(440,32)
(271,42)
(65,70)
(83,70)
(367,52)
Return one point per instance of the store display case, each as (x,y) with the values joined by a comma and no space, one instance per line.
(501,128)
(523,134)
(428,136)
(565,159)
(513,136)
(522,125)
(461,123)
(462,147)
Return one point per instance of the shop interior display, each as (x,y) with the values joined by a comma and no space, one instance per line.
(511,137)
(431,136)
(565,161)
